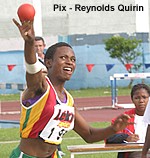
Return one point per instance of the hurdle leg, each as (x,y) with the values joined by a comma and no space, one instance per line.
(0,107)
(112,91)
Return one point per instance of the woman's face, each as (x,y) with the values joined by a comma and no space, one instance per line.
(63,64)
(140,100)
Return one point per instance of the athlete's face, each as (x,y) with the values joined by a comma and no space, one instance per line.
(63,63)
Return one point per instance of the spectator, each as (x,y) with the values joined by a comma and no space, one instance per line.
(135,132)
(39,48)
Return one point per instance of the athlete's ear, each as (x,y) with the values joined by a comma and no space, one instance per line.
(48,63)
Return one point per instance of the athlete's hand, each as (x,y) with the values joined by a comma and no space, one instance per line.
(121,122)
(26,30)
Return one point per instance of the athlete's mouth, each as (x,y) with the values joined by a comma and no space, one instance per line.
(67,69)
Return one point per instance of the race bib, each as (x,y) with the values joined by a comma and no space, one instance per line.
(60,123)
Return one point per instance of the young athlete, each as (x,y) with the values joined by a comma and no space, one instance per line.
(48,110)
(39,44)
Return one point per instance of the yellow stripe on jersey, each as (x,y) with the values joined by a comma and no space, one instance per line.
(29,116)
(70,101)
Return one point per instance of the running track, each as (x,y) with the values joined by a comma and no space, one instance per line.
(92,109)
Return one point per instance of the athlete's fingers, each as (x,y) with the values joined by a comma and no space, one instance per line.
(16,23)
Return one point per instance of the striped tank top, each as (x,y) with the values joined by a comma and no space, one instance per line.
(48,118)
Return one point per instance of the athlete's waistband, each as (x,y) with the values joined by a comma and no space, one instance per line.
(17,153)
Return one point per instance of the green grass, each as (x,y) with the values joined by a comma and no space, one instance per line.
(9,97)
(90,92)
(71,138)
(97,92)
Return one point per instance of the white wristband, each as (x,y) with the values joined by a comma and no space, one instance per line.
(33,68)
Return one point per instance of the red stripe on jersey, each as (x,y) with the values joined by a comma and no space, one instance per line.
(45,115)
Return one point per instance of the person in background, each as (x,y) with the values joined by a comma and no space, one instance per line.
(134,132)
(40,45)
(48,111)
(39,48)
(146,119)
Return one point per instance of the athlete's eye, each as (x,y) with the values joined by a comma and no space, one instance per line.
(63,57)
(73,59)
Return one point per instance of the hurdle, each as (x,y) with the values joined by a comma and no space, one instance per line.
(18,86)
(125,76)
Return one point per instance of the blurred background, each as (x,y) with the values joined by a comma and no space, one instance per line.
(84,31)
